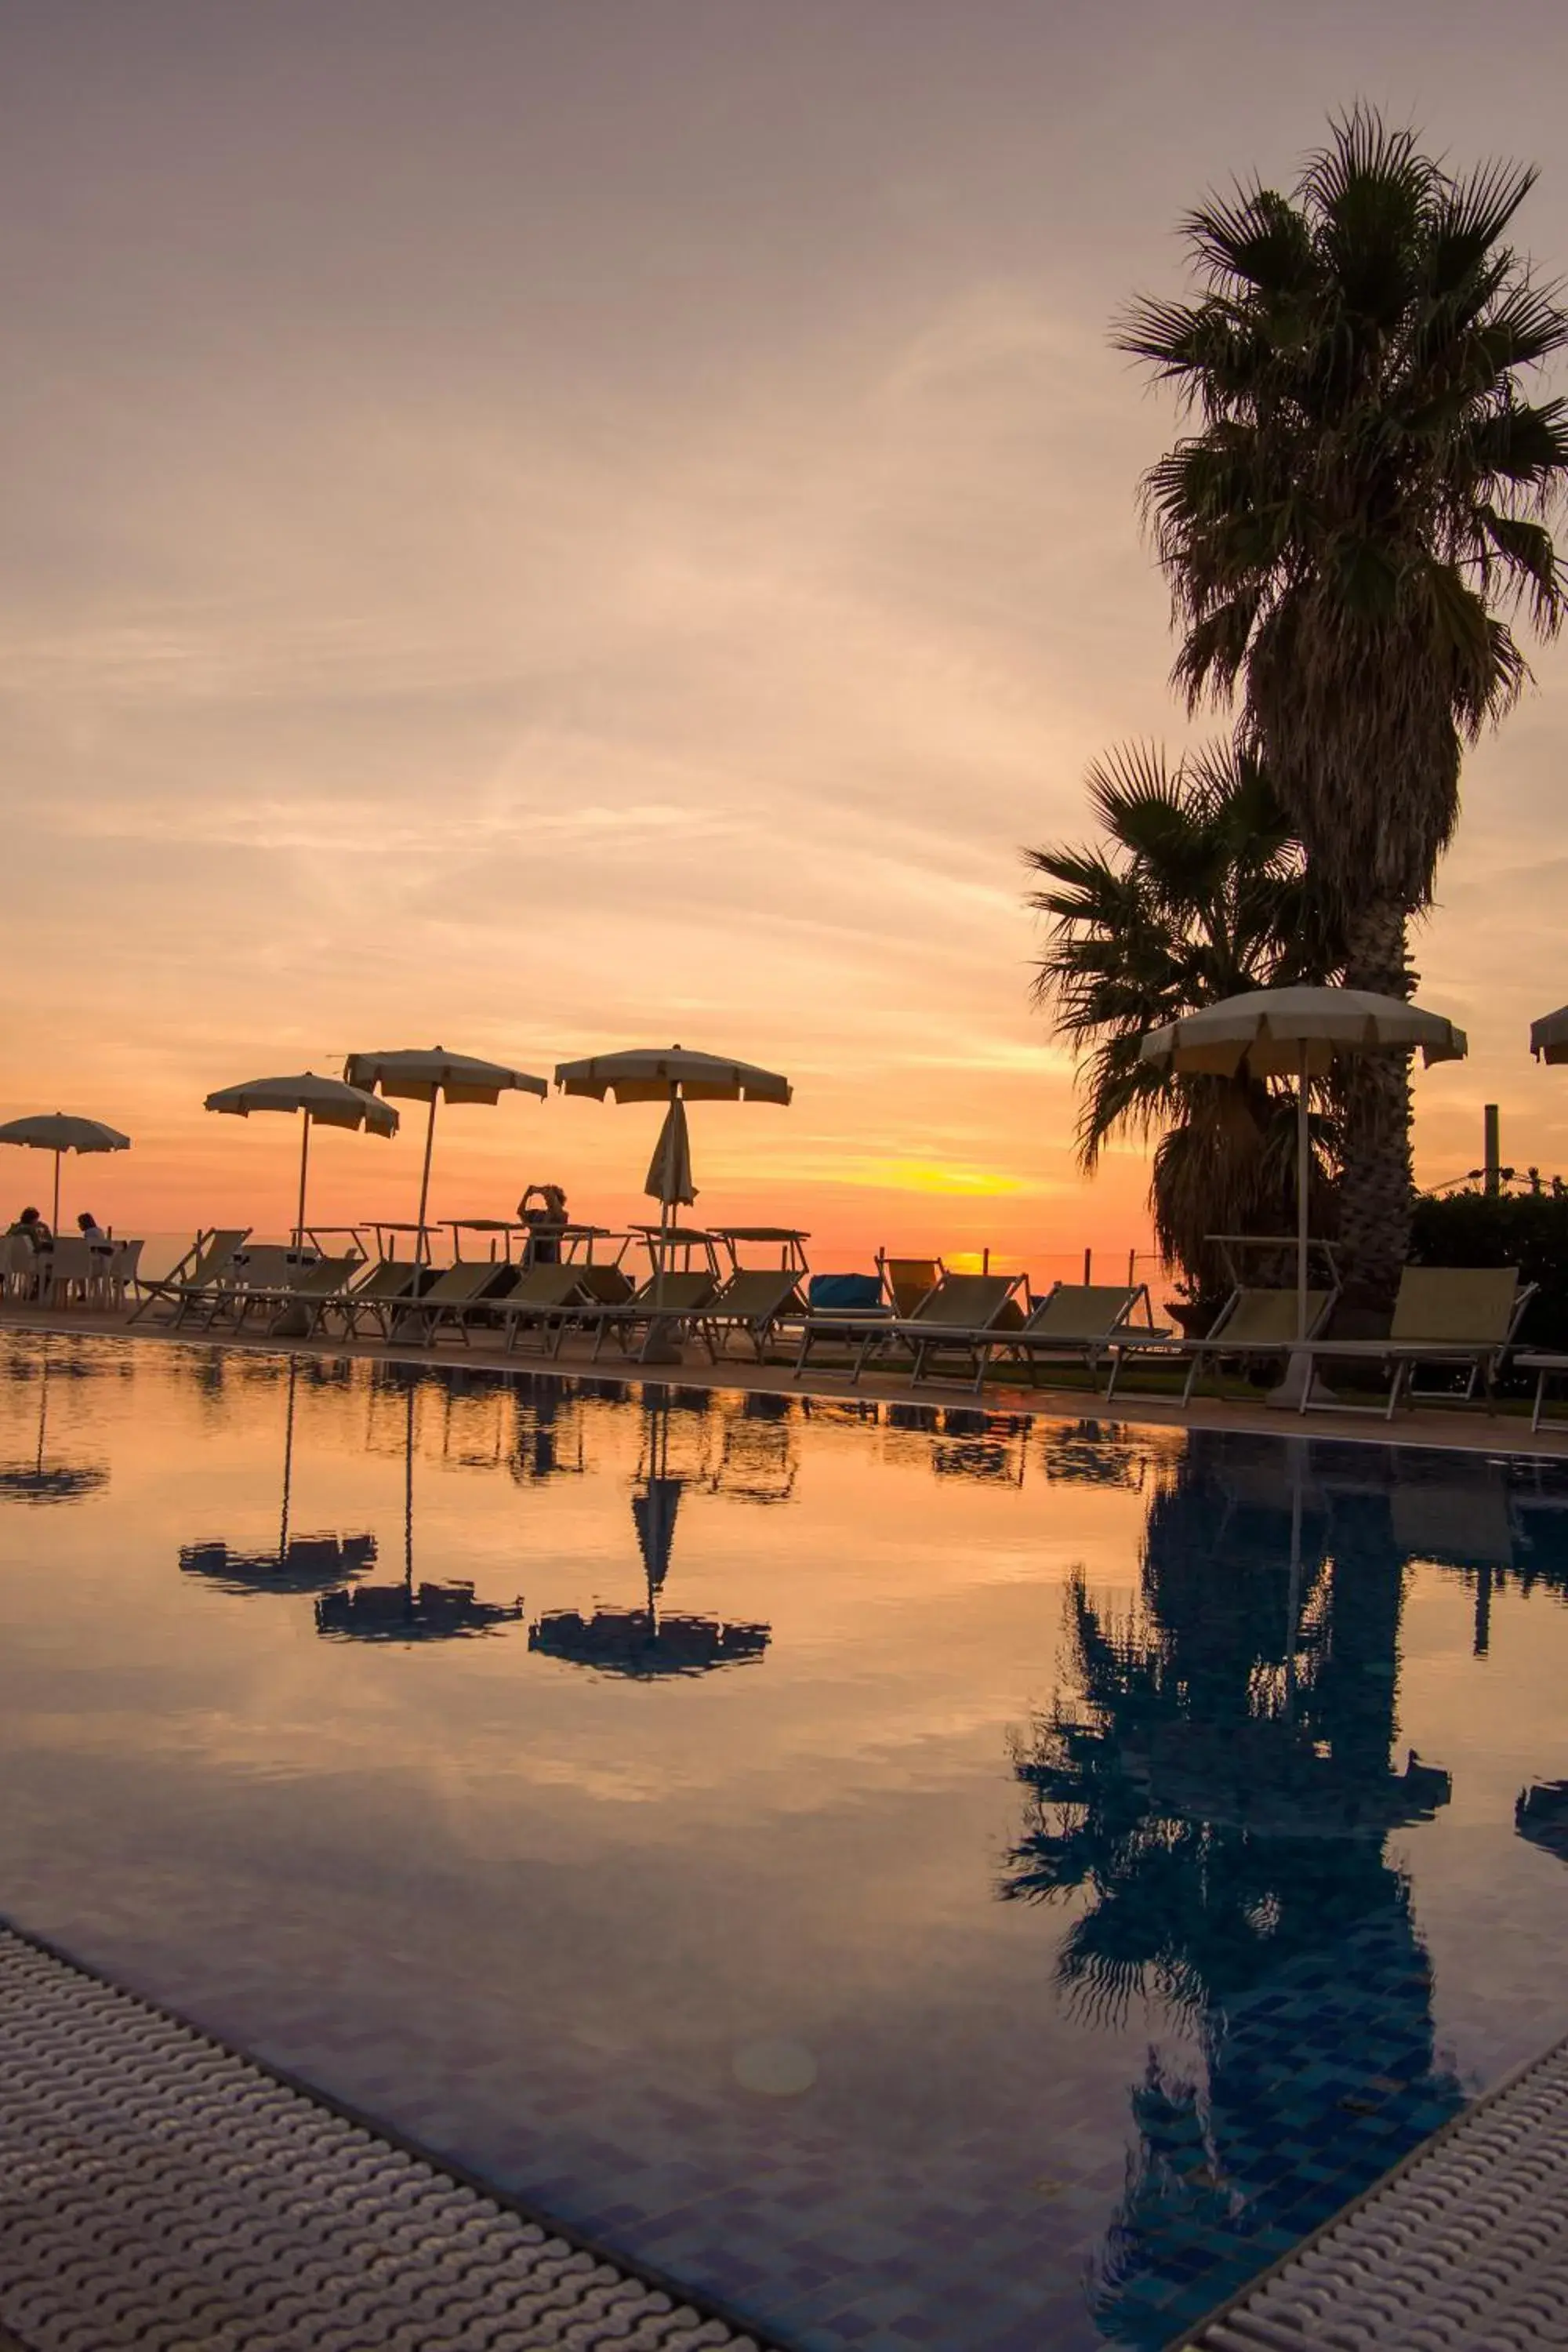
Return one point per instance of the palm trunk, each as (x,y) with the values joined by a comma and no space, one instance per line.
(1377,1188)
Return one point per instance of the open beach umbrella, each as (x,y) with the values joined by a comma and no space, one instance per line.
(1298,1032)
(673,1075)
(428,1074)
(59,1131)
(323,1102)
(1548,1038)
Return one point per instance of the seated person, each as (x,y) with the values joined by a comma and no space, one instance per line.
(91,1230)
(30,1226)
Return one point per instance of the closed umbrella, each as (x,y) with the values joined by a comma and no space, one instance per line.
(670,1075)
(428,1074)
(668,1180)
(321,1102)
(59,1131)
(1298,1033)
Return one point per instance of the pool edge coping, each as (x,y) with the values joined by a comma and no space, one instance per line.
(707,2306)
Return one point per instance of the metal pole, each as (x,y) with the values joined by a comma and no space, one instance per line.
(420,1246)
(1491,1152)
(408,1495)
(1303,1189)
(288,1462)
(304,1164)
(1293,1603)
(56,1227)
(1088,1268)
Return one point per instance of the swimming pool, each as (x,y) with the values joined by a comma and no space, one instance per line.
(893,1871)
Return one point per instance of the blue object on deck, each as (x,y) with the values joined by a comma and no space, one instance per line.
(844,1291)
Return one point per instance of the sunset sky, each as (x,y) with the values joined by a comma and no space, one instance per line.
(550,525)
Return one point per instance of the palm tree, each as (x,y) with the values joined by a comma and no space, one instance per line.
(1364,505)
(1198,894)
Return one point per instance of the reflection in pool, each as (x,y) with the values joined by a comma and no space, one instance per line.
(918,1876)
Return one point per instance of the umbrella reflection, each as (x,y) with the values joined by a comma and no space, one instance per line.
(1541,1815)
(642,1643)
(38,1480)
(408,1611)
(299,1563)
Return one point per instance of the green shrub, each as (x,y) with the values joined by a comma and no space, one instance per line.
(1529,1230)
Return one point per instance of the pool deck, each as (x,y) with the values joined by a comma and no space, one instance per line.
(1460,1428)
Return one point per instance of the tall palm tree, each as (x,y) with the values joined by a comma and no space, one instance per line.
(1364,503)
(1197,893)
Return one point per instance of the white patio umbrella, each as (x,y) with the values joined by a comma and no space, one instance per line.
(675,1075)
(323,1102)
(428,1074)
(1298,1033)
(1548,1037)
(59,1131)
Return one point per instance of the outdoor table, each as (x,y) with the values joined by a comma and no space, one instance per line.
(380,1225)
(502,1226)
(788,1240)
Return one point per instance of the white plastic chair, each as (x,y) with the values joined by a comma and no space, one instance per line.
(68,1271)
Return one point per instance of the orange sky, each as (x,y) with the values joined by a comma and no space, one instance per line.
(551,529)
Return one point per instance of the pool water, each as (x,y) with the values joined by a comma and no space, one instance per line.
(917,1877)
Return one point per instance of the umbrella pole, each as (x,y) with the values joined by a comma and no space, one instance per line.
(1303,1189)
(408,1500)
(56,1227)
(304,1165)
(421,1248)
(287,1461)
(1293,1603)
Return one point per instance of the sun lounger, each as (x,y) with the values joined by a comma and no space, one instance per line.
(957,1318)
(204,1265)
(1075,1322)
(1547,1367)
(753,1301)
(1461,1317)
(454,1294)
(389,1287)
(1254,1323)
(259,1270)
(545,1300)
(905,1282)
(665,1304)
(295,1307)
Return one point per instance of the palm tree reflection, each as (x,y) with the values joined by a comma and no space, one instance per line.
(652,1641)
(1214,1806)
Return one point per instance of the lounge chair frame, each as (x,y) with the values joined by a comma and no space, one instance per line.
(946,1320)
(210,1255)
(1079,1322)
(1254,1323)
(1405,1350)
